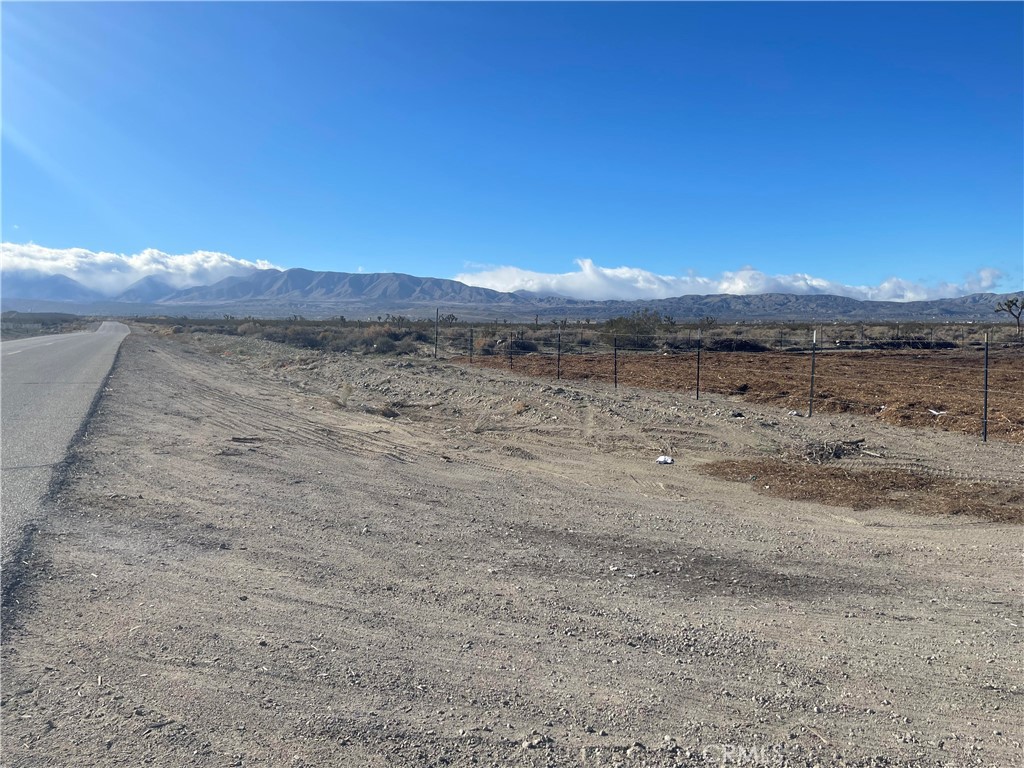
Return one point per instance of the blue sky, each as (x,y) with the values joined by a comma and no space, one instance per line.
(612,149)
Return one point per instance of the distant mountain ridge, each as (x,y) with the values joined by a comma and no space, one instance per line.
(152,288)
(306,285)
(36,285)
(277,293)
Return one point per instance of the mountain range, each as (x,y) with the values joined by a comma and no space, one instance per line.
(277,293)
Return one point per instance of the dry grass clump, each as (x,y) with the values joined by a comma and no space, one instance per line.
(869,488)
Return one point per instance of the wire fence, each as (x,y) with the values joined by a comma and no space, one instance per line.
(965,378)
(967,384)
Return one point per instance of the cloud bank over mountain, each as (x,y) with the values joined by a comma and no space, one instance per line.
(593,282)
(111,273)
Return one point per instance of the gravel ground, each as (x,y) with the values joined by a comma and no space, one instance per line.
(262,556)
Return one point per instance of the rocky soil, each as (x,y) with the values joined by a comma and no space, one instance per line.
(266,557)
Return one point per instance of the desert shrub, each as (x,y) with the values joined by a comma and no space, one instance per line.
(275,333)
(406,346)
(384,345)
(303,336)
(333,336)
(676,341)
(640,342)
(734,345)
(910,344)
(341,342)
(524,345)
(642,322)
(223,330)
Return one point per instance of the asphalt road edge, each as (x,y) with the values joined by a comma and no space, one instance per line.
(15,577)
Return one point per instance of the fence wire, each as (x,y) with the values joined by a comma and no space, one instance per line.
(912,381)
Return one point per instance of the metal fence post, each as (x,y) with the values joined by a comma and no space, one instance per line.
(615,361)
(558,359)
(510,350)
(698,362)
(810,400)
(470,346)
(984,407)
(437,317)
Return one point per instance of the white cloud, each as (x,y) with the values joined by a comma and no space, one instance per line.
(111,273)
(594,282)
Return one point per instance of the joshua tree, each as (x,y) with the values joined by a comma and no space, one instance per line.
(1013,307)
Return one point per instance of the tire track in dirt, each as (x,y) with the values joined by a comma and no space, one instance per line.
(252,415)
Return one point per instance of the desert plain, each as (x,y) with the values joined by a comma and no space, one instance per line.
(264,556)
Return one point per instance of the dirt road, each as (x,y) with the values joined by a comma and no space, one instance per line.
(264,557)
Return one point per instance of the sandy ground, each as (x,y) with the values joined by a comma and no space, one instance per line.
(267,557)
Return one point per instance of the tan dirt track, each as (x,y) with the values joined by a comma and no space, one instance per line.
(268,557)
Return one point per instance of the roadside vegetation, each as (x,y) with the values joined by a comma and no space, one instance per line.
(20,325)
(641,330)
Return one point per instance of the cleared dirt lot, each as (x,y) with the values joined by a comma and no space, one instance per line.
(936,389)
(268,557)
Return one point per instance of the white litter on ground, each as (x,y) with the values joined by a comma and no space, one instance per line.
(665,460)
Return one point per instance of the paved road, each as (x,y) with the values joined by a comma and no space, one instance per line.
(49,382)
